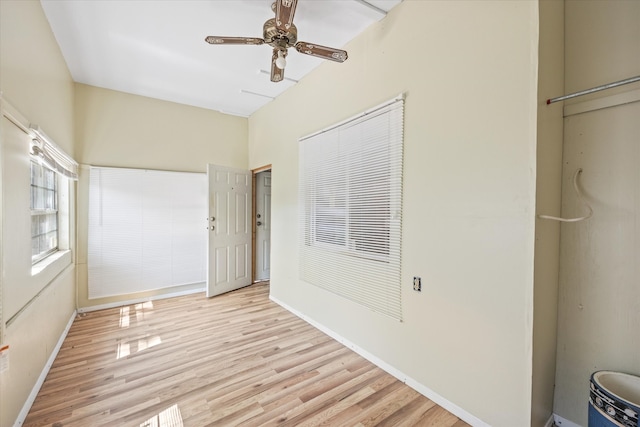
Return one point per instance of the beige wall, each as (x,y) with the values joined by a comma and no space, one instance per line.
(548,197)
(35,81)
(469,70)
(122,130)
(599,275)
(35,78)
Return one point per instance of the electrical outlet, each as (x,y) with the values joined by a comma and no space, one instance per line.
(417,284)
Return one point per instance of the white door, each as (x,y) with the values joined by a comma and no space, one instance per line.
(263,225)
(229,223)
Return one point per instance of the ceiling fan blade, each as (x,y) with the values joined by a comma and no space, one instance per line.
(285,9)
(233,40)
(277,74)
(323,52)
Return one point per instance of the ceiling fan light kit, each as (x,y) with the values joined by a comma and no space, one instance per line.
(280,33)
(281,62)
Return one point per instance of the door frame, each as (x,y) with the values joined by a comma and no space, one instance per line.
(254,172)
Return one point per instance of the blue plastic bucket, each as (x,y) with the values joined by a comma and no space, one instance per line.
(614,400)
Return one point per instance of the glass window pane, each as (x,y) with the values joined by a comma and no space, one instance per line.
(39,198)
(51,240)
(35,247)
(44,226)
(35,221)
(50,195)
(53,222)
(42,242)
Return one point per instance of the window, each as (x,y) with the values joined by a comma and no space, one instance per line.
(351,206)
(44,212)
(351,203)
(146,230)
(51,168)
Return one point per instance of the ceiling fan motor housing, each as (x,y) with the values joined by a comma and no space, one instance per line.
(278,38)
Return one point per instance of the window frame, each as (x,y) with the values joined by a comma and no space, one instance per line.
(44,211)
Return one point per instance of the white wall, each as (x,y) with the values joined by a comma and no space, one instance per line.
(469,70)
(35,81)
(123,130)
(599,310)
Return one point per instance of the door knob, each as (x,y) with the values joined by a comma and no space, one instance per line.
(259,223)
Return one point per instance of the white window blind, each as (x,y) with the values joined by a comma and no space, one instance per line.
(351,208)
(146,230)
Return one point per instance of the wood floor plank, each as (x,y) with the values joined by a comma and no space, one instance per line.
(236,359)
(437,417)
(409,414)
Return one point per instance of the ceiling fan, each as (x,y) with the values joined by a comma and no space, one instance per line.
(281,34)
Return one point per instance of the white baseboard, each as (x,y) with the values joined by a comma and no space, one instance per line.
(138,300)
(420,388)
(550,422)
(562,422)
(43,375)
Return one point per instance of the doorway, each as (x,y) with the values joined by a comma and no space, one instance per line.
(262,224)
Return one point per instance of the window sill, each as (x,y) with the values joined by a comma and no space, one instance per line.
(54,258)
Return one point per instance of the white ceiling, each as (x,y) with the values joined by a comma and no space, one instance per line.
(157,48)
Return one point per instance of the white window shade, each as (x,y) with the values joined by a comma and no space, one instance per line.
(146,230)
(48,152)
(351,208)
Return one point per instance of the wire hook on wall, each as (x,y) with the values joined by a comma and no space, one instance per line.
(580,197)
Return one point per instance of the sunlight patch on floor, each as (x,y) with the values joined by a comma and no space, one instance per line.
(136,346)
(143,309)
(124,317)
(170,417)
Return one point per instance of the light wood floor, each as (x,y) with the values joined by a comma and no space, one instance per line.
(237,359)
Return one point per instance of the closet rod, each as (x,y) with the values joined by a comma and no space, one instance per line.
(594,89)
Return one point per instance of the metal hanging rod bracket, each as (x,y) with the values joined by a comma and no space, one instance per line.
(595,89)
